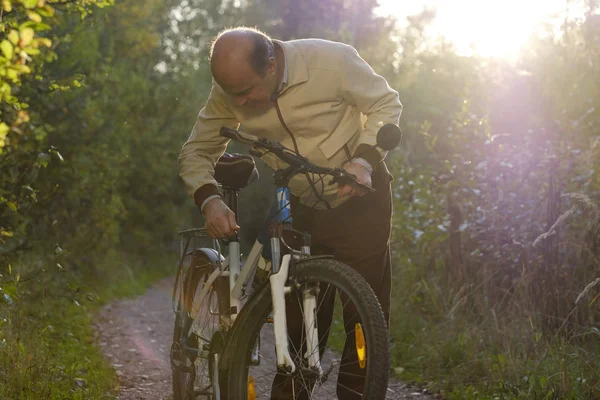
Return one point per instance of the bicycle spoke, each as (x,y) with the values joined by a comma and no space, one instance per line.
(350,374)
(349,389)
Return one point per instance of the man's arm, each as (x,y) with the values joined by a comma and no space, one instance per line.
(373,97)
(204,147)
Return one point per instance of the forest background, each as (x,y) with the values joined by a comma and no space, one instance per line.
(496,190)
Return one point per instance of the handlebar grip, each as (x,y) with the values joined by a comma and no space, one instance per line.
(238,136)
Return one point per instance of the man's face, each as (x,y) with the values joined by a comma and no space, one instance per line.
(246,87)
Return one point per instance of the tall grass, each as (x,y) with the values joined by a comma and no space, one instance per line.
(533,337)
(47,344)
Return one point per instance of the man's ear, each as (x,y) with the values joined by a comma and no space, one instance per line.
(272,69)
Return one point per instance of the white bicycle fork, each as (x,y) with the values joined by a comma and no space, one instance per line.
(278,292)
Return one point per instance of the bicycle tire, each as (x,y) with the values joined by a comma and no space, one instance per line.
(323,270)
(185,366)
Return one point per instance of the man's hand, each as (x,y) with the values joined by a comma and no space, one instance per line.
(362,176)
(220,220)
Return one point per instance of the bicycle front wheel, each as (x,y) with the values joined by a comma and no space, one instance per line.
(352,345)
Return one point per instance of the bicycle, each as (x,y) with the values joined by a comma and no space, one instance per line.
(224,329)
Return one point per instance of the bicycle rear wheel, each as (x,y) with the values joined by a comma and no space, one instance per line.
(191,354)
(363,367)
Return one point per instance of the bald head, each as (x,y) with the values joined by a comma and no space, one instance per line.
(245,63)
(241,48)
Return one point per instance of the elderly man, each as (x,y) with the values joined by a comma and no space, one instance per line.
(322,98)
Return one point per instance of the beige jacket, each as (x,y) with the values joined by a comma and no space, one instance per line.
(333,102)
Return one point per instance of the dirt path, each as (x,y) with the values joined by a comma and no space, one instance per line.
(136,334)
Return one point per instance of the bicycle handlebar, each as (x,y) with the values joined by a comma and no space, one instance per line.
(238,136)
(298,163)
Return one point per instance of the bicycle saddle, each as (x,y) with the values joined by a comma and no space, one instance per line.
(236,171)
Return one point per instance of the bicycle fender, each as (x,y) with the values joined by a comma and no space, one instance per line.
(213,256)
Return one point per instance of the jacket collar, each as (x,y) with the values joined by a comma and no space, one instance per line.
(295,64)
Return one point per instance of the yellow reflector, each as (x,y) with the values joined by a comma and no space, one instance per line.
(251,389)
(361,350)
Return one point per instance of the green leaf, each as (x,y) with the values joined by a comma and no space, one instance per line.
(46,11)
(27,35)
(30,3)
(5,89)
(45,42)
(34,16)
(13,36)
(32,51)
(12,206)
(37,26)
(4,129)
(12,74)
(7,49)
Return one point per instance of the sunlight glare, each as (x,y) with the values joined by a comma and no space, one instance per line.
(487,28)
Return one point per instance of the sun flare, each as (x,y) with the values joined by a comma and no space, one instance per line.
(482,27)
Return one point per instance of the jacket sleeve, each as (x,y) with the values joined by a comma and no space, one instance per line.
(205,146)
(373,97)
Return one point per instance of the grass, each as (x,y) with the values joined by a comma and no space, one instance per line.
(47,345)
(467,350)
(49,353)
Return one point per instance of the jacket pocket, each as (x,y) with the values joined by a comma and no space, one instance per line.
(339,148)
(332,145)
(345,133)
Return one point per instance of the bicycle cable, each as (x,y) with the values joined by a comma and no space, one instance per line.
(296,149)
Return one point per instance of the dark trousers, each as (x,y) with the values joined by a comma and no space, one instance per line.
(356,233)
